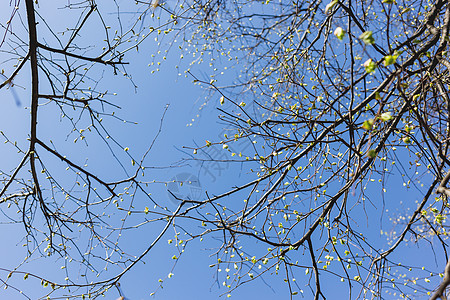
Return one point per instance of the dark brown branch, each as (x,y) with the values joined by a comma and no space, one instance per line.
(440,292)
(73,165)
(86,58)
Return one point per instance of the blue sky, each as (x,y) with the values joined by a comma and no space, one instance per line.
(175,97)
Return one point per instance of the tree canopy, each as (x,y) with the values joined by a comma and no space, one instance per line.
(330,108)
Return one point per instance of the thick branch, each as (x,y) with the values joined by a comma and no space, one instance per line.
(440,292)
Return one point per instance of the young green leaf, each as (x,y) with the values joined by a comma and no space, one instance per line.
(339,33)
(368,124)
(386,116)
(367,38)
(330,6)
(372,153)
(370,66)
(389,60)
